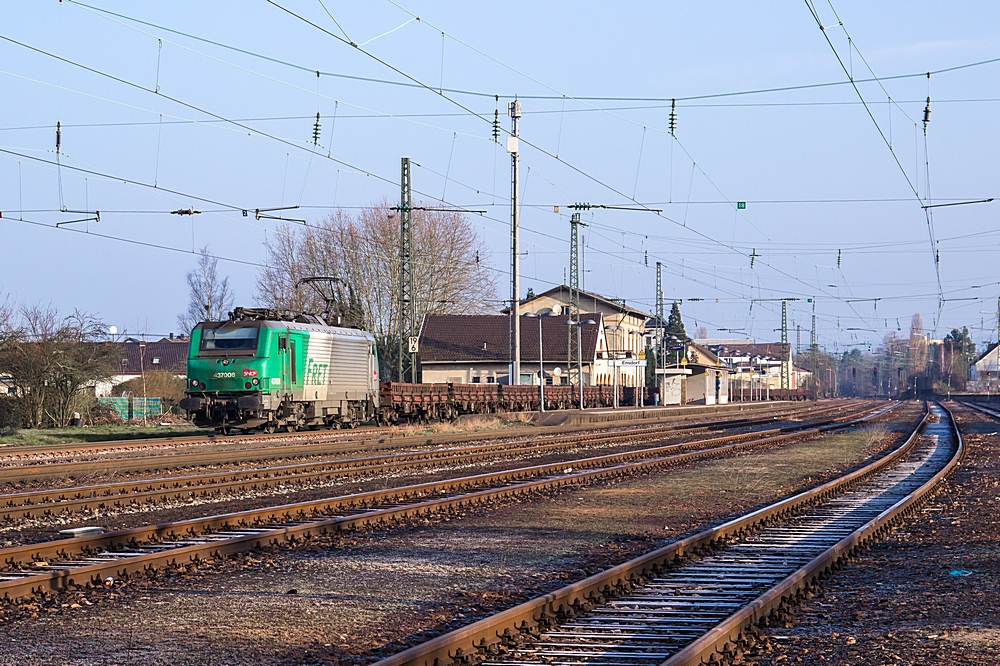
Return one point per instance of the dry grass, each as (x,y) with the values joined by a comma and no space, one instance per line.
(470,423)
(743,478)
(873,435)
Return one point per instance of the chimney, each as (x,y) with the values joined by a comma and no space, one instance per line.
(171,336)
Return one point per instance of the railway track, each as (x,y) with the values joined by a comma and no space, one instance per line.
(84,561)
(14,474)
(127,494)
(702,599)
(981,409)
(370,434)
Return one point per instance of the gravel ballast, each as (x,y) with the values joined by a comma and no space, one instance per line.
(359,597)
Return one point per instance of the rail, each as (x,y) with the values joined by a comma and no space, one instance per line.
(503,632)
(54,565)
(139,464)
(61,501)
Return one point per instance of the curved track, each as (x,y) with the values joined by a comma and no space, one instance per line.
(700,600)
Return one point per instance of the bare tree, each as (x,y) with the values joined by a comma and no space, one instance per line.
(450,271)
(50,363)
(917,348)
(211,297)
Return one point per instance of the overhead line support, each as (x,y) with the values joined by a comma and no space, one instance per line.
(514,110)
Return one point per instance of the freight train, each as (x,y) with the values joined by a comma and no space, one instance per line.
(262,370)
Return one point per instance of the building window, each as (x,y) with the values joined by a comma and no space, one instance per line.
(475,380)
(491,380)
(156,361)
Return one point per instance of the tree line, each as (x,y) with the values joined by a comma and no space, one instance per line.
(897,364)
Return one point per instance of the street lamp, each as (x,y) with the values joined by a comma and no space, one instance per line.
(541,361)
(579,354)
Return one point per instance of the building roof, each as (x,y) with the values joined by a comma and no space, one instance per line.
(762,349)
(588,300)
(701,354)
(728,343)
(168,354)
(987,361)
(486,338)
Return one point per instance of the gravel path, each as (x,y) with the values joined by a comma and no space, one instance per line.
(359,597)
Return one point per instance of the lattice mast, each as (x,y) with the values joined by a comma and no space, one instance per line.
(660,347)
(786,349)
(813,347)
(574,351)
(407,315)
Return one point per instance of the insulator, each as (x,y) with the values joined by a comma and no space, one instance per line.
(58,135)
(316,130)
(927,112)
(673,116)
(496,126)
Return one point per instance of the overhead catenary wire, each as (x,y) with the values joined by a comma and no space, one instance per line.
(483,118)
(560,160)
(633,193)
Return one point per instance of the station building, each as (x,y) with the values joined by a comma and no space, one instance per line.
(475,349)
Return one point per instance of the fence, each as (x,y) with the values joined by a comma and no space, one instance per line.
(134,408)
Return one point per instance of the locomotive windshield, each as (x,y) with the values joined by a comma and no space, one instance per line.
(229,338)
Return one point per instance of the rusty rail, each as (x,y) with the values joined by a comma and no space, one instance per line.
(479,638)
(49,470)
(311,519)
(122,494)
(369,434)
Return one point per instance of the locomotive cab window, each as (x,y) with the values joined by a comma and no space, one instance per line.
(228,339)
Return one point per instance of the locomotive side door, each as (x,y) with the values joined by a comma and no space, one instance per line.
(284,361)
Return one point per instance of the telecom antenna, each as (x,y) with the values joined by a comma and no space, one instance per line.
(407,343)
(515,260)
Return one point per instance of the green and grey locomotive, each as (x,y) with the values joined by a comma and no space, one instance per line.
(262,370)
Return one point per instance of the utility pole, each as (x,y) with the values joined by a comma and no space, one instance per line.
(813,349)
(407,354)
(798,339)
(998,340)
(661,360)
(786,350)
(514,109)
(574,350)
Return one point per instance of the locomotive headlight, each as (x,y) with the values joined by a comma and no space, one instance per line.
(194,383)
(255,381)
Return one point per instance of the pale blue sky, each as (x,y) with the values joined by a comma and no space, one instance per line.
(767,149)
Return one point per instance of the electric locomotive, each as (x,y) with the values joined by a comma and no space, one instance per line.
(264,370)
